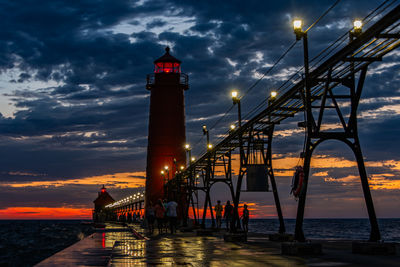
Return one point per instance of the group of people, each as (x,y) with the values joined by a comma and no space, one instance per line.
(228,213)
(163,213)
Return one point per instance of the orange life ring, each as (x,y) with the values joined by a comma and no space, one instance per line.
(297,182)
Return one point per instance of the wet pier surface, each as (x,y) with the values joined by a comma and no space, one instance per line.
(118,246)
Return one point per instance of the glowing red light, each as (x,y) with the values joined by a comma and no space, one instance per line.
(167,67)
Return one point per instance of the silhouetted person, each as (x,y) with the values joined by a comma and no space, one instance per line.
(150,217)
(165,202)
(172,215)
(160,213)
(218,213)
(245,218)
(228,214)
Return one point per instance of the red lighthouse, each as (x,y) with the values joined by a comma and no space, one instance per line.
(166,137)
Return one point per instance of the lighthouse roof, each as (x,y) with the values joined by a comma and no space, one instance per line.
(103,198)
(167,57)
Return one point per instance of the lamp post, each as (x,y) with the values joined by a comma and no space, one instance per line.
(357,30)
(163,175)
(273,95)
(236,100)
(300,34)
(232,128)
(207,134)
(236,222)
(189,152)
(166,169)
(271,99)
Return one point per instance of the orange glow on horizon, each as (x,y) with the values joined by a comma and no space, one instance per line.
(45,213)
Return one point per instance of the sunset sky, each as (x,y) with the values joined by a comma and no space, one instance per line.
(74,108)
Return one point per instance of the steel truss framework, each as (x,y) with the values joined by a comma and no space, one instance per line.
(323,91)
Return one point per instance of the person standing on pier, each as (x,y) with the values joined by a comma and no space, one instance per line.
(160,212)
(172,215)
(228,214)
(165,203)
(245,218)
(218,213)
(150,218)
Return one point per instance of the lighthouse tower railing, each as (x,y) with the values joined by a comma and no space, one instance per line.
(183,80)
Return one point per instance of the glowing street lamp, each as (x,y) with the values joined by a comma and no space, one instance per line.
(205,129)
(192,159)
(209,146)
(206,133)
(357,24)
(273,94)
(236,100)
(188,151)
(232,127)
(297,27)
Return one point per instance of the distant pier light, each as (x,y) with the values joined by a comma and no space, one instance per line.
(205,129)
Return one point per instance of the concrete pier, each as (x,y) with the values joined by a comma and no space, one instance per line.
(117,245)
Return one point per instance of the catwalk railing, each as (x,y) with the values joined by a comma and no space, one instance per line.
(128,207)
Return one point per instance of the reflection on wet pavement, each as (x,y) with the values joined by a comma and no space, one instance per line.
(117,246)
(190,250)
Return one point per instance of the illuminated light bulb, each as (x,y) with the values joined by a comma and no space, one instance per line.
(357,27)
(233,126)
(162,172)
(357,24)
(210,146)
(187,146)
(182,167)
(193,159)
(297,24)
(234,94)
(166,167)
(274,94)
